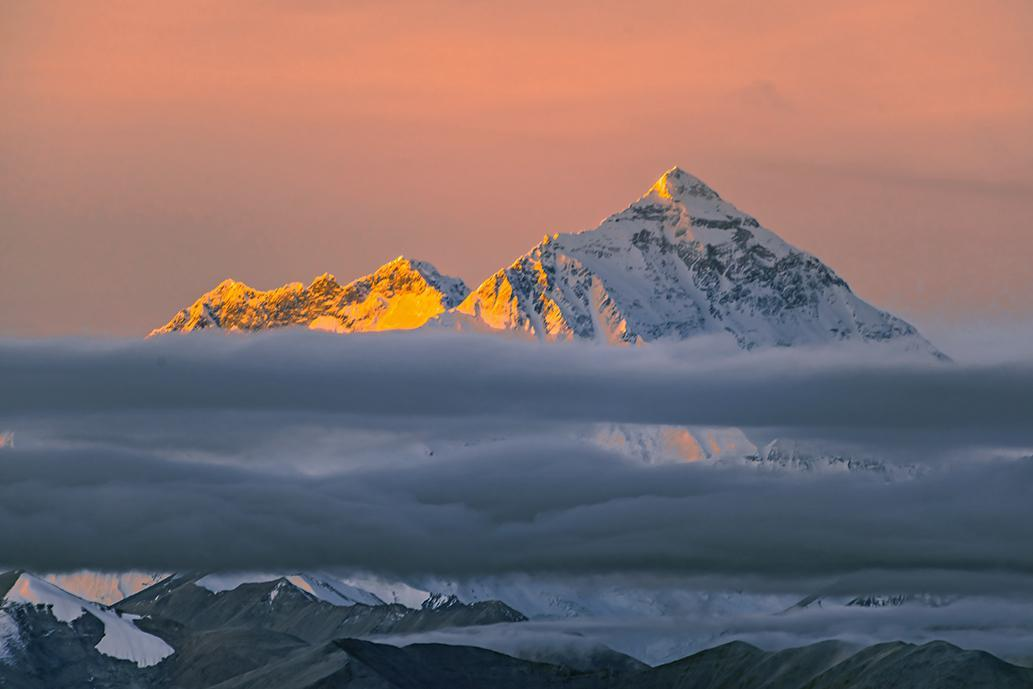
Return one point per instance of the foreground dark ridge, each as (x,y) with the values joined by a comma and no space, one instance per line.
(251,659)
(274,635)
(736,665)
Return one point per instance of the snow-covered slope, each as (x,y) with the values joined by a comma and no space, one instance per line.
(106,588)
(678,262)
(390,591)
(653,444)
(8,635)
(122,638)
(325,587)
(400,295)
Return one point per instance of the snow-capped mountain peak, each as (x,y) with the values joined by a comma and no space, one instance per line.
(689,207)
(122,638)
(679,184)
(677,262)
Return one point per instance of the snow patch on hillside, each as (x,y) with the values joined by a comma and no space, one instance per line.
(122,638)
(325,587)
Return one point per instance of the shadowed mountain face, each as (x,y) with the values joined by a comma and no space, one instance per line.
(827,665)
(678,262)
(282,607)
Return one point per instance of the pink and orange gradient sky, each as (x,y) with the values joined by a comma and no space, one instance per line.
(150,149)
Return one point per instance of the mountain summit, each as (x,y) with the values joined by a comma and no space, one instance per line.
(680,261)
(678,185)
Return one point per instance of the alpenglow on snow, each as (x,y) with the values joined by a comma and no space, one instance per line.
(678,262)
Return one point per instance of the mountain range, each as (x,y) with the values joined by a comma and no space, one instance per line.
(678,262)
(178,634)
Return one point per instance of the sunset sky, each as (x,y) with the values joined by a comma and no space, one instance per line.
(150,149)
(642,444)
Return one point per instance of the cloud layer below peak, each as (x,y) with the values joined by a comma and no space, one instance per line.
(417,454)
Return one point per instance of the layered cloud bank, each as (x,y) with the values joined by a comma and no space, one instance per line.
(440,376)
(529,507)
(425,454)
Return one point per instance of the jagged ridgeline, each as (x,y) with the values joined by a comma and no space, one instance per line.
(400,295)
(678,262)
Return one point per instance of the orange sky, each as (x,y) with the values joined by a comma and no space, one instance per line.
(150,149)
